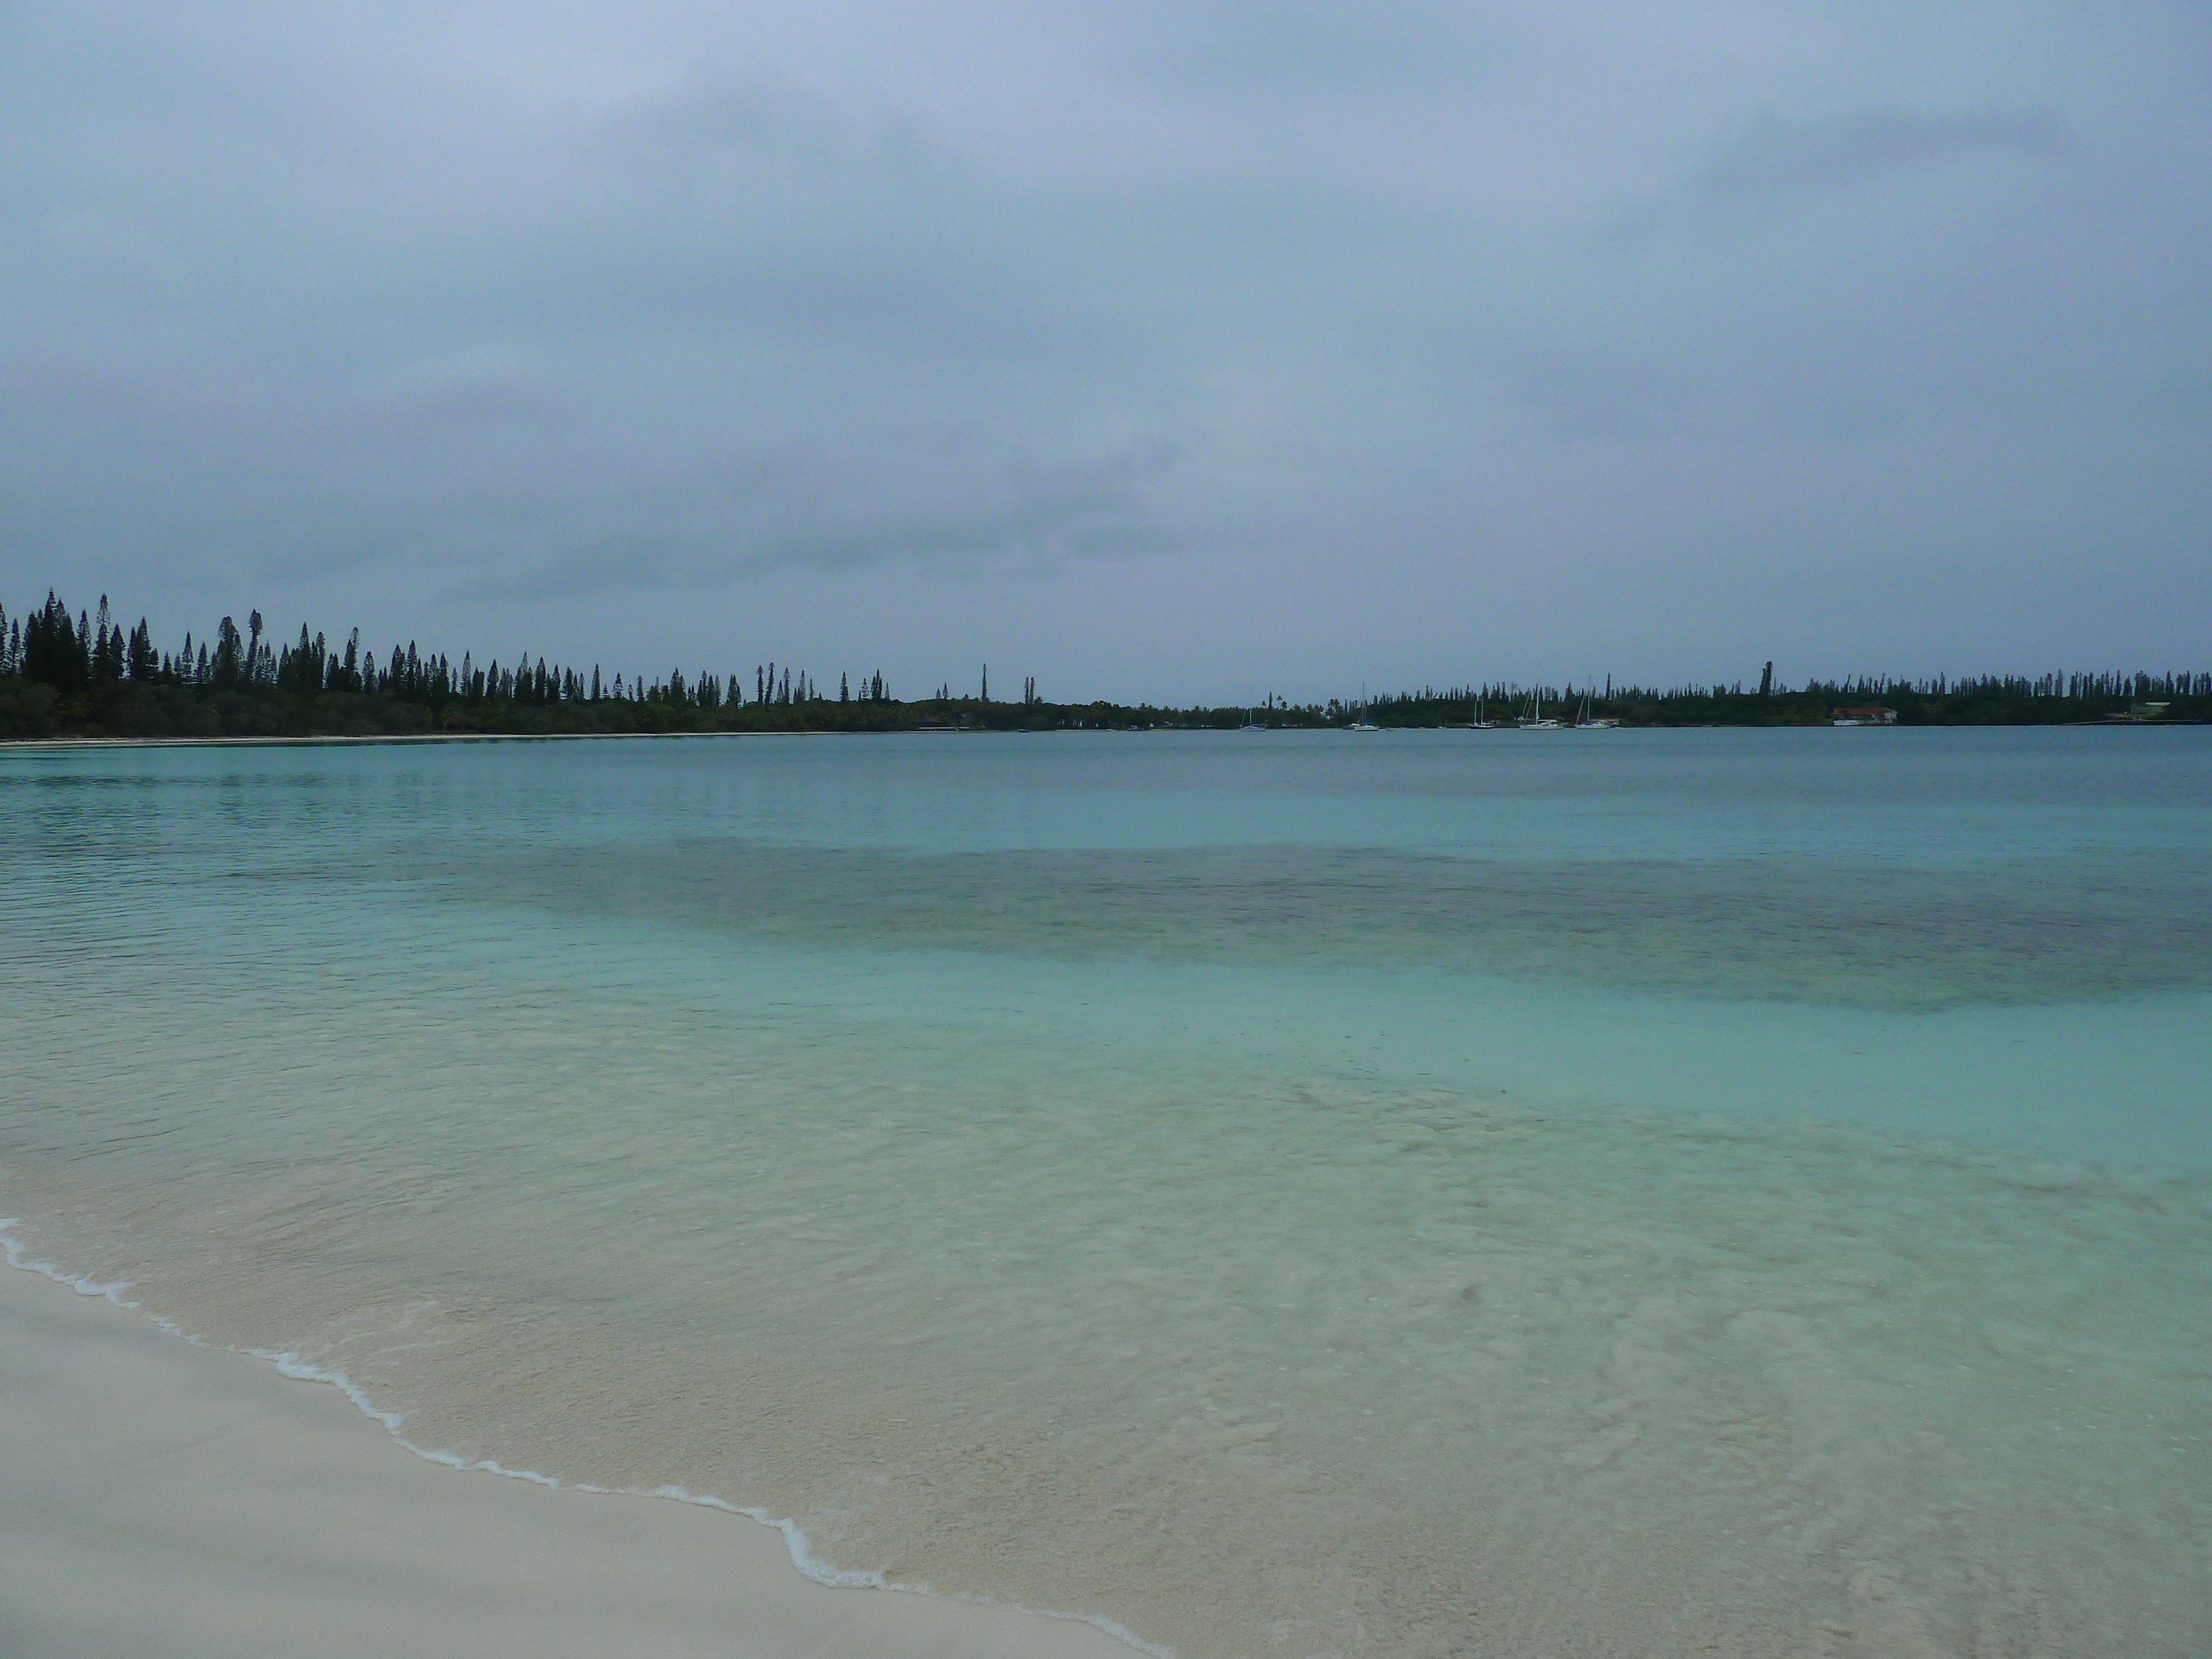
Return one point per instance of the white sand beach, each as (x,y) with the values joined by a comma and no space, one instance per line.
(164,1498)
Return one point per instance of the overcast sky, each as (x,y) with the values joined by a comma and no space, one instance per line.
(1198,349)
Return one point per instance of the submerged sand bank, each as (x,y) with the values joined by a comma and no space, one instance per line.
(162,1497)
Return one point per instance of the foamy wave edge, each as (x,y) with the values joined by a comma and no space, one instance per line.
(795,1540)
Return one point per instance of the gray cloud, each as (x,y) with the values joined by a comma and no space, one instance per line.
(115,240)
(1775,160)
(702,529)
(1591,394)
(1310,45)
(1212,342)
(720,122)
(1775,164)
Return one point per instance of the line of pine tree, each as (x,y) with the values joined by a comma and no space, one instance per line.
(50,647)
(93,655)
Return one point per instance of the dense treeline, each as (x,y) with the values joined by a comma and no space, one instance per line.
(87,674)
(2053,699)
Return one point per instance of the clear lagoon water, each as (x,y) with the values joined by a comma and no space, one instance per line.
(1303,1195)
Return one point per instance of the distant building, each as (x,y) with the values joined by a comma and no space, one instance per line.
(2142,711)
(1869,715)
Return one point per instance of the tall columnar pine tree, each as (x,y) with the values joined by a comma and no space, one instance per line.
(53,653)
(229,655)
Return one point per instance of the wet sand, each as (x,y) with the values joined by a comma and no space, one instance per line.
(164,1498)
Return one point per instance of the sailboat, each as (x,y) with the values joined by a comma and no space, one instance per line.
(1536,722)
(1585,723)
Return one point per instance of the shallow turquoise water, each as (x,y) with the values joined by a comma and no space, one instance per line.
(1290,1193)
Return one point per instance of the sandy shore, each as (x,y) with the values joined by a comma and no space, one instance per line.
(161,1499)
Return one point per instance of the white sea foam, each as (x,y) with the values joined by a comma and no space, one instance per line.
(803,1555)
(112,1290)
(804,1558)
(300,1368)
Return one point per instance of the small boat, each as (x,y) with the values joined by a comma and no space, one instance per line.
(1585,723)
(1362,724)
(1536,721)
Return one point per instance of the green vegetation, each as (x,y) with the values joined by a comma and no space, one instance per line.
(88,675)
(2054,699)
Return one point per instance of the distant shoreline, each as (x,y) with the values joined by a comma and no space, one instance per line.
(339,740)
(71,678)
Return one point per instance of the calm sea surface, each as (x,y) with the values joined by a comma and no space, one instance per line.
(1290,1194)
